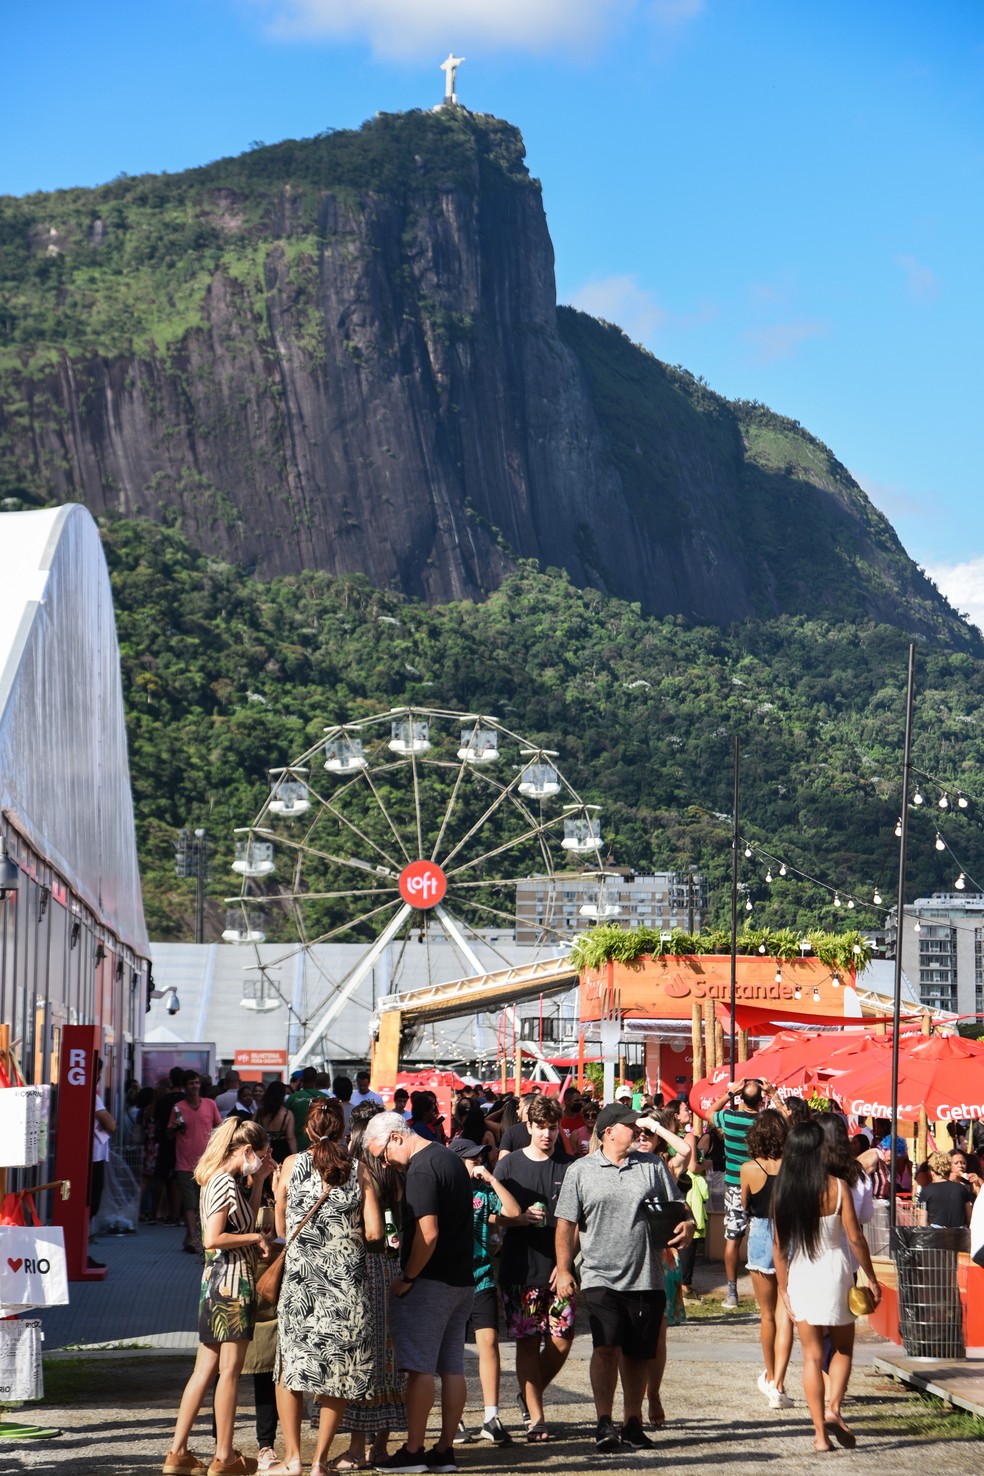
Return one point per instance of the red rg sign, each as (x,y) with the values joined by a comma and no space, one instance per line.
(423,884)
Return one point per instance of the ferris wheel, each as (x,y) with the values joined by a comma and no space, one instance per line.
(426,840)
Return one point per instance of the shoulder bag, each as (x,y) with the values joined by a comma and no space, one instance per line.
(268,1285)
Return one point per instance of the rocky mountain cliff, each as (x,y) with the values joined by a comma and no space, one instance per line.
(345,353)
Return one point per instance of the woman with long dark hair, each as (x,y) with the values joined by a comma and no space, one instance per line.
(278,1120)
(765,1141)
(812,1212)
(324,1320)
(227,1305)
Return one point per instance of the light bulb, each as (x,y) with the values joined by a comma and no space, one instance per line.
(816,995)
(837,900)
(761,948)
(940,842)
(917,798)
(797,993)
(898,827)
(877,899)
(962,802)
(944,802)
(748,905)
(782,869)
(768,874)
(850,903)
(915,927)
(960,883)
(778,976)
(748,851)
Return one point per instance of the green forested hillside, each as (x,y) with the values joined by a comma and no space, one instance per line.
(225,676)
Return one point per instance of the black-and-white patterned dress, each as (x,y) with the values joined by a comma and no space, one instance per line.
(227,1300)
(324,1321)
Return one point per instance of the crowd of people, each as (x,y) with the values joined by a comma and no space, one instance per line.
(406,1236)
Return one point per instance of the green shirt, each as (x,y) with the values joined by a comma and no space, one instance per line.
(735,1126)
(300,1105)
(485,1202)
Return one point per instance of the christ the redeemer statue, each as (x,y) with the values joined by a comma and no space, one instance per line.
(450,70)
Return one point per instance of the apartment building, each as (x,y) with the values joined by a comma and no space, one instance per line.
(570,902)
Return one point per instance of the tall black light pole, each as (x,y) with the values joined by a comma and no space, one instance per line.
(191,859)
(900,916)
(734,905)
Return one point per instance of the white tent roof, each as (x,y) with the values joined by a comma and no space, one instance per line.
(64,774)
(209,977)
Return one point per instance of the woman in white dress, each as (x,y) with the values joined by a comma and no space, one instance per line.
(812,1215)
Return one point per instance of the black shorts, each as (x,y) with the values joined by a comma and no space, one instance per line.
(485,1313)
(627,1320)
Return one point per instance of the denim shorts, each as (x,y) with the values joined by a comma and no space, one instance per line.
(759,1248)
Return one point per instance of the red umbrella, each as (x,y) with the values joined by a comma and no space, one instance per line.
(790,1061)
(943,1074)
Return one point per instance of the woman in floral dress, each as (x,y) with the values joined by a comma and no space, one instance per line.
(227,1302)
(324,1319)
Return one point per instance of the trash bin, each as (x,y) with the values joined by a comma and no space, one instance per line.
(930,1312)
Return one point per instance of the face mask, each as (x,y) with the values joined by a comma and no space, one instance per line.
(250,1168)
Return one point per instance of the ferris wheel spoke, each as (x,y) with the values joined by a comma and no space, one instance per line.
(499,850)
(394,830)
(293,843)
(416,803)
(449,809)
(504,793)
(355,922)
(509,917)
(300,897)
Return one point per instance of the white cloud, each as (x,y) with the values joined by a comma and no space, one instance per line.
(784,340)
(963,585)
(922,283)
(621,300)
(411,29)
(414,29)
(894,501)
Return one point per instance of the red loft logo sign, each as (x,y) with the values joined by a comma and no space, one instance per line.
(422,884)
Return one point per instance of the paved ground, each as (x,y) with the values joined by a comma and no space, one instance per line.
(116,1407)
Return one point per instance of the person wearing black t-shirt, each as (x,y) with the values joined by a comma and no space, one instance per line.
(943,1203)
(518,1136)
(432,1297)
(541,1322)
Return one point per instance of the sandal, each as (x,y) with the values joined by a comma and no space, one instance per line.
(346,1463)
(657,1414)
(538,1434)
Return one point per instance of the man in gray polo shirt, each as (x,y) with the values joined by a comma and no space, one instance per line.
(622,1271)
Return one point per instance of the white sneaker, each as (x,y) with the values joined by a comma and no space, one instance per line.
(730,1303)
(266,1458)
(765,1386)
(779,1399)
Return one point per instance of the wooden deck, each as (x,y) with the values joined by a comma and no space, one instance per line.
(960,1384)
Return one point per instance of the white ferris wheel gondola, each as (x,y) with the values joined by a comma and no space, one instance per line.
(344,755)
(289,792)
(540,779)
(254,858)
(582,831)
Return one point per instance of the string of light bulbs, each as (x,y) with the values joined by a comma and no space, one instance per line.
(785,868)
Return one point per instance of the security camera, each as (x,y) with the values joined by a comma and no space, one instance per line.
(173,1004)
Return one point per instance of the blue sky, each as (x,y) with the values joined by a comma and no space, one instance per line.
(785,196)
